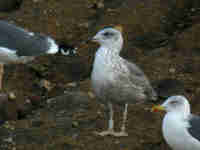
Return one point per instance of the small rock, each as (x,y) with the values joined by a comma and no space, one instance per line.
(91,95)
(69,101)
(8,109)
(75,124)
(11,96)
(100,4)
(7,125)
(3,99)
(172,70)
(35,100)
(9,140)
(24,110)
(117,142)
(72,84)
(84,25)
(28,101)
(46,84)
(14,148)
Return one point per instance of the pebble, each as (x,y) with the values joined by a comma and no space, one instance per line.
(11,96)
(9,140)
(72,84)
(172,70)
(91,95)
(46,84)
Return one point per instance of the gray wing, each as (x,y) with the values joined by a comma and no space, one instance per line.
(194,128)
(139,79)
(26,44)
(131,86)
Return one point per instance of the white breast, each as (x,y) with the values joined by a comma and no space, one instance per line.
(102,67)
(102,72)
(175,133)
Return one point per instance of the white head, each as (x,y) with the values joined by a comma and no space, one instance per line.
(109,37)
(175,104)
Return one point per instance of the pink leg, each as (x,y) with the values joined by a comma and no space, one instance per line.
(1,75)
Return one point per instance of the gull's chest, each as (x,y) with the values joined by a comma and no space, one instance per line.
(176,135)
(106,67)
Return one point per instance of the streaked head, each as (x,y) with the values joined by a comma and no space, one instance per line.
(109,36)
(174,104)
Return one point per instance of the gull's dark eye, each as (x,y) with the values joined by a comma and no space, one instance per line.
(107,34)
(174,102)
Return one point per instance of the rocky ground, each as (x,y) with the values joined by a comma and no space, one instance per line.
(54,107)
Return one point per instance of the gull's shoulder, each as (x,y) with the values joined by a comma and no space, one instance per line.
(134,76)
(133,68)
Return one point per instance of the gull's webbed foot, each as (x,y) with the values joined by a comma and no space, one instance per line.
(112,133)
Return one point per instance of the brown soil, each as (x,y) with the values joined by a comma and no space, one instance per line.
(160,37)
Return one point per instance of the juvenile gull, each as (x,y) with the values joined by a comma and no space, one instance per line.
(19,45)
(181,129)
(116,80)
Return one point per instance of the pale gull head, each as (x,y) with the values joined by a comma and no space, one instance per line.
(109,37)
(177,104)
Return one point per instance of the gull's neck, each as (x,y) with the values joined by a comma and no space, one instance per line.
(182,113)
(111,49)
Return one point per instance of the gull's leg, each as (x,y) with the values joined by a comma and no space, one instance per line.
(1,75)
(123,128)
(111,121)
(110,130)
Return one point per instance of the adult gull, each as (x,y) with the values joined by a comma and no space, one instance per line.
(180,128)
(20,46)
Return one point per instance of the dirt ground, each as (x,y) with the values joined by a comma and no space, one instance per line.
(55,108)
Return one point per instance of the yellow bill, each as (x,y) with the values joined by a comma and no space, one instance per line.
(157,108)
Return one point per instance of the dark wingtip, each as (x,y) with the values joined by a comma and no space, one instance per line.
(66,49)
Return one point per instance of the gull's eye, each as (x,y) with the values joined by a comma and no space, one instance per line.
(173,102)
(108,34)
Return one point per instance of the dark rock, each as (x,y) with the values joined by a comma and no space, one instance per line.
(9,5)
(35,100)
(169,87)
(151,40)
(8,109)
(37,123)
(70,68)
(2,122)
(69,101)
(24,110)
(3,99)
(180,16)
